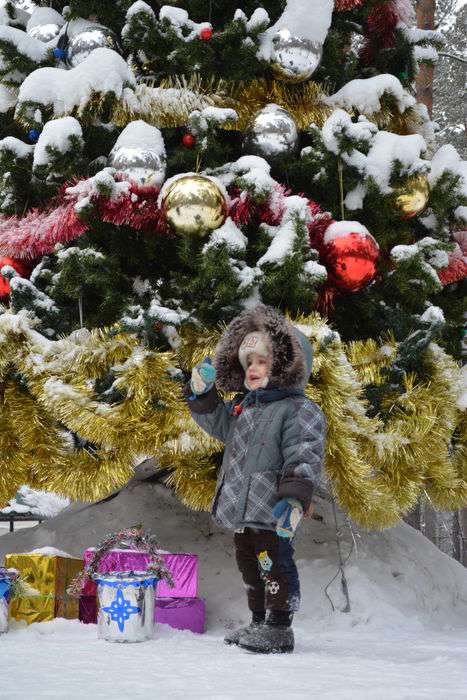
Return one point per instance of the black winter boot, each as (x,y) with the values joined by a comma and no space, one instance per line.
(257,620)
(274,637)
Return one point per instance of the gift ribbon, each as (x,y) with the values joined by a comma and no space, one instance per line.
(5,586)
(146,582)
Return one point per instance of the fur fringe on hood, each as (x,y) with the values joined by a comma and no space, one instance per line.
(291,350)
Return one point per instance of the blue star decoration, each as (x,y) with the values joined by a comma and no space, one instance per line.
(121,609)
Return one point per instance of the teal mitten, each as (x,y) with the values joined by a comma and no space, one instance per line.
(288,512)
(203,376)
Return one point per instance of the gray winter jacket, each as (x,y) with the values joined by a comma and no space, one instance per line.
(273,450)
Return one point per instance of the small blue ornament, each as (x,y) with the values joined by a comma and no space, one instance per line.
(59,54)
(33,135)
(121,609)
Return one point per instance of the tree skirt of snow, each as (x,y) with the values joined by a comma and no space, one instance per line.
(66,660)
(405,637)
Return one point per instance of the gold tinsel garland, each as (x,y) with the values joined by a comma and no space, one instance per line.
(377,466)
(170,103)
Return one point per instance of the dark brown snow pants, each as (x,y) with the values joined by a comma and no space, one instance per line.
(268,570)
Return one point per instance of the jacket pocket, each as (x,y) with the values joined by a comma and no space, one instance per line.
(262,496)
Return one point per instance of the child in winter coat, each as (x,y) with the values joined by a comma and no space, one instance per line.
(274,438)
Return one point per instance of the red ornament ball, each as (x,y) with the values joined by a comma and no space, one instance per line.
(206,34)
(188,140)
(456,269)
(350,253)
(20,268)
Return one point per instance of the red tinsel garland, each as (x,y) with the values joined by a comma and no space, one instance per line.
(316,228)
(380,27)
(38,232)
(244,209)
(136,208)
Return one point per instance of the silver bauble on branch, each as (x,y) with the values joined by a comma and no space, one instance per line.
(140,165)
(139,153)
(86,39)
(44,32)
(272,133)
(44,24)
(294,58)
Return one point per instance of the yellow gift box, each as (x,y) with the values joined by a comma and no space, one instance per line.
(50,575)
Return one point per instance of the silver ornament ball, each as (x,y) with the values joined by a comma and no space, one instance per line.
(142,165)
(272,133)
(94,36)
(295,58)
(44,32)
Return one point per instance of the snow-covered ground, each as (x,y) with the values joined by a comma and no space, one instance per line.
(5,526)
(405,637)
(65,660)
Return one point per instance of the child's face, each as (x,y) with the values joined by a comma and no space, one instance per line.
(258,367)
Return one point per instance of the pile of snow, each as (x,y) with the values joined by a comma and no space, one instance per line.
(405,636)
(40,503)
(104,71)
(228,234)
(31,48)
(56,135)
(7,99)
(364,95)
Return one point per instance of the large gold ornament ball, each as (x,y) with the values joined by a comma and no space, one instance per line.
(411,198)
(194,205)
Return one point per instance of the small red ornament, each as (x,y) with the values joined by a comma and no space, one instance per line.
(237,409)
(188,140)
(20,268)
(350,253)
(456,269)
(206,34)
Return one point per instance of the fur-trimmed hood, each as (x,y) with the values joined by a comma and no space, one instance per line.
(291,349)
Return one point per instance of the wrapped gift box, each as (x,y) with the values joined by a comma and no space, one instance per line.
(181,613)
(50,575)
(88,609)
(183,567)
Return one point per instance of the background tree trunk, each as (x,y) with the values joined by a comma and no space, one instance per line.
(425,20)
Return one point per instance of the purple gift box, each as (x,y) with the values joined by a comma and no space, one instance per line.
(87,609)
(183,567)
(181,613)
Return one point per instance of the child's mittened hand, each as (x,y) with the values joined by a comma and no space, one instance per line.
(288,512)
(203,377)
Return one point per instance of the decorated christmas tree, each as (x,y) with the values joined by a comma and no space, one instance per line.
(164,167)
